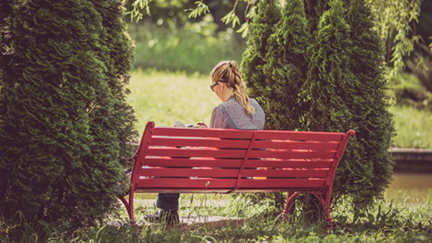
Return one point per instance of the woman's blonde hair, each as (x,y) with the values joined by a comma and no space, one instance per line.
(229,73)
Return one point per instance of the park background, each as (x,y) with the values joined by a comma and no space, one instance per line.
(169,81)
(175,54)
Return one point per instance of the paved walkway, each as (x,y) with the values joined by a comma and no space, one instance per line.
(190,220)
(193,221)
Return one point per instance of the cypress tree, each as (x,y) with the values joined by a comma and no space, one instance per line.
(329,73)
(314,10)
(254,56)
(325,87)
(285,69)
(64,119)
(367,165)
(343,88)
(118,56)
(346,86)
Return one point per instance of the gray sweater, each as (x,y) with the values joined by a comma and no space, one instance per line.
(232,115)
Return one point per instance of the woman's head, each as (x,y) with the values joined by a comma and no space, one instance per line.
(227,81)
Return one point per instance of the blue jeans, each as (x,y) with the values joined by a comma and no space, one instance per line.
(168,201)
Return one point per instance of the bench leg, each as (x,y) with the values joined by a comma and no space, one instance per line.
(327,209)
(129,207)
(290,198)
(326,206)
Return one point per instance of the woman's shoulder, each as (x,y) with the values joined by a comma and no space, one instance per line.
(220,108)
(256,105)
(254,102)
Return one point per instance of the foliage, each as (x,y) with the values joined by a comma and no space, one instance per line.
(194,47)
(395,26)
(421,66)
(180,10)
(404,27)
(314,10)
(328,75)
(65,122)
(407,90)
(342,88)
(274,67)
(285,69)
(254,57)
(201,9)
(137,5)
(369,160)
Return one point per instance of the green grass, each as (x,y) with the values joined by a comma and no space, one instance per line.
(398,220)
(193,48)
(412,127)
(165,97)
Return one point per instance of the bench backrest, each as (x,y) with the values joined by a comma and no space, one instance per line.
(227,160)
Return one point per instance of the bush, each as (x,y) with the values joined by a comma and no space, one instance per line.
(343,87)
(65,123)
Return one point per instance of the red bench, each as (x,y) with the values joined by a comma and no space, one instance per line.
(206,160)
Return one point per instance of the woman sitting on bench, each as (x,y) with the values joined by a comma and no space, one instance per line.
(237,111)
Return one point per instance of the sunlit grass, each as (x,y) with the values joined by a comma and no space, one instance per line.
(395,220)
(412,127)
(165,97)
(188,48)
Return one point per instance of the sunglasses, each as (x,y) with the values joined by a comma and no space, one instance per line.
(212,86)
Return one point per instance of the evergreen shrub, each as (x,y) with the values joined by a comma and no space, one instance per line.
(329,77)
(65,123)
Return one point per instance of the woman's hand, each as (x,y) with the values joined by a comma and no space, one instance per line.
(201,125)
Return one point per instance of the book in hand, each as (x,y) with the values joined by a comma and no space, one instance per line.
(190,125)
(181,124)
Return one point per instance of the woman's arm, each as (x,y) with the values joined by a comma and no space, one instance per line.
(218,118)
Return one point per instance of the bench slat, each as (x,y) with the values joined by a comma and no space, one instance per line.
(301,136)
(199,142)
(309,145)
(175,183)
(231,173)
(270,173)
(218,143)
(236,153)
(291,154)
(235,163)
(194,162)
(283,183)
(190,152)
(182,172)
(198,132)
(247,134)
(289,163)
(204,184)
